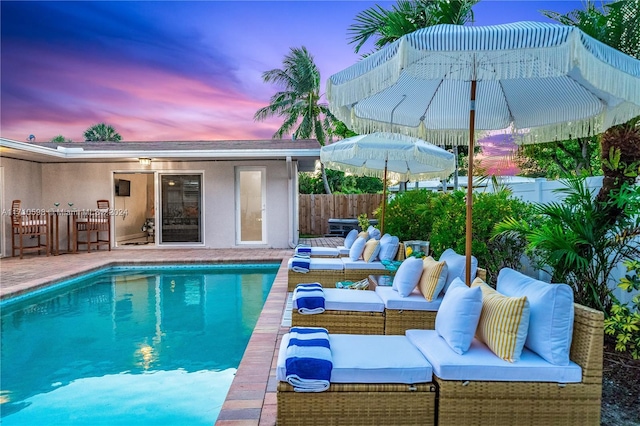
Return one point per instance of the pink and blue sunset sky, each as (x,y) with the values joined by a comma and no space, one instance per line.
(161,70)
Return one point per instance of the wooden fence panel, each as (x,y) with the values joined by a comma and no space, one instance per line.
(316,209)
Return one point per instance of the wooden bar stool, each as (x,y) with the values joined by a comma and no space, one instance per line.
(31,224)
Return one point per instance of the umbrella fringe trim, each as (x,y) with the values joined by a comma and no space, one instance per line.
(365,171)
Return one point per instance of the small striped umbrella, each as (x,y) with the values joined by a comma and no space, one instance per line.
(543,82)
(388,156)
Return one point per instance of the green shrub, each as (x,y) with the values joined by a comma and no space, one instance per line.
(577,242)
(493,254)
(402,218)
(623,322)
(440,218)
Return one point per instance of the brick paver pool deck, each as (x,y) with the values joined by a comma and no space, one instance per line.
(252,397)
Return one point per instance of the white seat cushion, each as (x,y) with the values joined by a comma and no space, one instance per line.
(324,251)
(317,263)
(337,299)
(361,358)
(414,302)
(343,251)
(479,363)
(361,264)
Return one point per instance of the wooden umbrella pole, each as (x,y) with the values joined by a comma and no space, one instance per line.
(469,199)
(384,197)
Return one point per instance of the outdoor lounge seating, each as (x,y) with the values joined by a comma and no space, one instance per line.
(347,312)
(328,271)
(532,401)
(476,387)
(375,380)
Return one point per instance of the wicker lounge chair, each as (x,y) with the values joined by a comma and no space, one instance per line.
(328,271)
(466,402)
(361,403)
(347,311)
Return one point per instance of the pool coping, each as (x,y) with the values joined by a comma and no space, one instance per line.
(251,399)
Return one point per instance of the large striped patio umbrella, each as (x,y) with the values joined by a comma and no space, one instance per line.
(544,82)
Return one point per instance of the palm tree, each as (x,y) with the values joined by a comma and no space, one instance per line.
(618,25)
(102,132)
(407,16)
(299,101)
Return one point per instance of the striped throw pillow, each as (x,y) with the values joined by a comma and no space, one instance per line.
(371,250)
(504,322)
(433,278)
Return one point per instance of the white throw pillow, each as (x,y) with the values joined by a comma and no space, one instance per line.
(350,238)
(456,264)
(388,247)
(408,275)
(355,252)
(458,315)
(551,314)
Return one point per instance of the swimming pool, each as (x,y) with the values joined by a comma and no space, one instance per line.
(152,345)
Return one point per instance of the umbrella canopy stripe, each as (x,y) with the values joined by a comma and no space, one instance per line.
(406,158)
(388,155)
(600,82)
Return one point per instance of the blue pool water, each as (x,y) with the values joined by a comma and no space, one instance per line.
(129,346)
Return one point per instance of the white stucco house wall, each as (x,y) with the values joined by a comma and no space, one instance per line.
(209,194)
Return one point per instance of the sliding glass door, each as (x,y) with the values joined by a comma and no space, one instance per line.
(181,208)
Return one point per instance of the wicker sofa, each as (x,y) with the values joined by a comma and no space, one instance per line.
(533,403)
(464,402)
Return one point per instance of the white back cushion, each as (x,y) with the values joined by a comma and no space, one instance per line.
(355,252)
(350,238)
(388,247)
(456,263)
(551,314)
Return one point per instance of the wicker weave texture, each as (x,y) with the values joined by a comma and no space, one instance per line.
(342,322)
(358,404)
(398,321)
(533,403)
(326,277)
(587,343)
(517,403)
